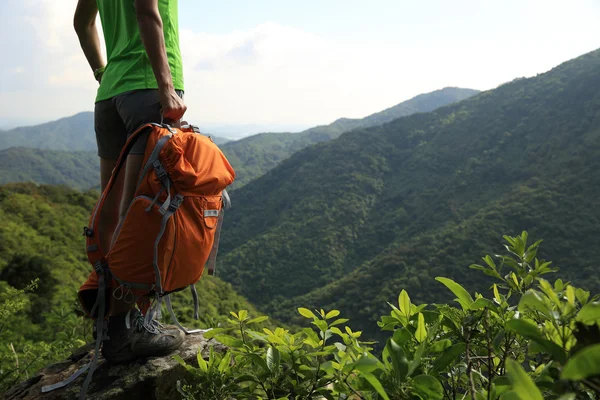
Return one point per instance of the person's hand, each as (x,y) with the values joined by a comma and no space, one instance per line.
(173,106)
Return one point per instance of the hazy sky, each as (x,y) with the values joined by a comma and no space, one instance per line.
(302,62)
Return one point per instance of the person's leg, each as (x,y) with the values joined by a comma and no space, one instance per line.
(110,137)
(135,109)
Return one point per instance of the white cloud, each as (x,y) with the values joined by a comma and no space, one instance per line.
(274,73)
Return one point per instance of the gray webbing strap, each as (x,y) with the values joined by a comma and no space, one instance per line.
(211,262)
(100,300)
(67,381)
(196,302)
(174,205)
(176,322)
(154,156)
(91,366)
(226,200)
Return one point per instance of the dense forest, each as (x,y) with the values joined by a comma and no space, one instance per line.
(253,156)
(76,169)
(344,224)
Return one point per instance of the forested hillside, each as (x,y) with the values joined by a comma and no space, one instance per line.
(76,169)
(253,156)
(351,222)
(41,238)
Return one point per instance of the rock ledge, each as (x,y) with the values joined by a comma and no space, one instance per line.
(150,378)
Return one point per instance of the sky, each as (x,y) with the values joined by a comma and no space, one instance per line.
(293,64)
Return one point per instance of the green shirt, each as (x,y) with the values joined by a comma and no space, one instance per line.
(128,67)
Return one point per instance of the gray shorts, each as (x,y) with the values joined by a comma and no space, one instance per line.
(117,118)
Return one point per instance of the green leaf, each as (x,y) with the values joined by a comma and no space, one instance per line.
(399,361)
(234,315)
(332,314)
(230,341)
(201,362)
(339,321)
(243,314)
(568,396)
(522,384)
(571,295)
(421,332)
(549,291)
(224,363)
(180,360)
(404,303)
(322,325)
(583,364)
(258,361)
(485,270)
(464,298)
(582,295)
(502,384)
(273,358)
(440,346)
(365,364)
(489,261)
(214,332)
(373,381)
(306,313)
(590,313)
(448,356)
(497,294)
(531,331)
(480,304)
(402,336)
(534,300)
(416,361)
(257,320)
(428,387)
(512,395)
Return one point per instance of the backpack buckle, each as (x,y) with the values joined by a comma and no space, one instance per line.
(175,203)
(161,173)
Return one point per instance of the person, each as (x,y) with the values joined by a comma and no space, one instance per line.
(141,82)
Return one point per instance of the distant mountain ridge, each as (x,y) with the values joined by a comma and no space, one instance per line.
(74,133)
(251,157)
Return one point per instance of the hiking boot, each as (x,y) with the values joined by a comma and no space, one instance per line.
(141,340)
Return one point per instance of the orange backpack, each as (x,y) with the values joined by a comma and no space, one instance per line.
(172,226)
(170,232)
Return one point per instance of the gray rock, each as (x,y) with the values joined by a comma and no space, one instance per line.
(150,378)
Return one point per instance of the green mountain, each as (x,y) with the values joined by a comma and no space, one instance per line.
(77,169)
(350,222)
(253,156)
(75,133)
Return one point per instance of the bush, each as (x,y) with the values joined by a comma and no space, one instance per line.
(529,339)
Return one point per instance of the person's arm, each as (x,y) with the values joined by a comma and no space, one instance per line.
(84,23)
(151,32)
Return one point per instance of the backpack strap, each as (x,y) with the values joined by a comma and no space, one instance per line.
(196,302)
(176,322)
(100,305)
(211,263)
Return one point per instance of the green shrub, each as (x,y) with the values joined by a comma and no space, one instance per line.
(529,339)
